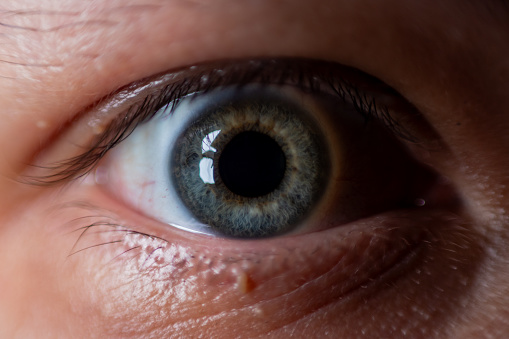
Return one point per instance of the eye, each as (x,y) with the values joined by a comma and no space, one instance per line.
(273,153)
(242,162)
(366,219)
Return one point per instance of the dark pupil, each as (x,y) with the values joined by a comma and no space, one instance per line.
(252,164)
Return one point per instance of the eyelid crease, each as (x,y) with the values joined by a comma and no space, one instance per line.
(167,90)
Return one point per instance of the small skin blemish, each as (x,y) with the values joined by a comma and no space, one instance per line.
(101,176)
(258,311)
(148,183)
(98,129)
(244,283)
(42,124)
(97,126)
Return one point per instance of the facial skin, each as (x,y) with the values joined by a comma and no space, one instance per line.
(450,60)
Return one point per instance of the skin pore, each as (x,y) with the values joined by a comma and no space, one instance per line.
(58,59)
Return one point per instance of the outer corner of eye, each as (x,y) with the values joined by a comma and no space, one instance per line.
(253,160)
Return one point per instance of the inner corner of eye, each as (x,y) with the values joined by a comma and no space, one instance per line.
(253,162)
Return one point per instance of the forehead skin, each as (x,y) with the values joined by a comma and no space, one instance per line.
(449,59)
(47,47)
(61,56)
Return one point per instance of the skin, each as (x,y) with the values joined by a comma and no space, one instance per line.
(449,60)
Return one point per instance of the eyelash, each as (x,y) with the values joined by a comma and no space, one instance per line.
(307,75)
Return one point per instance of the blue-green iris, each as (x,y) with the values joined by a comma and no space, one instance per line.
(284,145)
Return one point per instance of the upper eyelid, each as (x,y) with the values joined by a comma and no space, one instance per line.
(114,117)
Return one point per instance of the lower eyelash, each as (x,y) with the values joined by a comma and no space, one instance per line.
(142,252)
(99,224)
(102,225)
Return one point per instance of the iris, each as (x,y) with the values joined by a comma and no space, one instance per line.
(250,166)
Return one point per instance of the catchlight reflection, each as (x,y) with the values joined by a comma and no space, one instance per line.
(207,163)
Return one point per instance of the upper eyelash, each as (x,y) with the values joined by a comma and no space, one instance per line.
(306,74)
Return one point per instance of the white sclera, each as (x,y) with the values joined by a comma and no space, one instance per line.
(138,169)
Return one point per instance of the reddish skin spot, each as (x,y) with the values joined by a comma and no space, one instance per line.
(148,183)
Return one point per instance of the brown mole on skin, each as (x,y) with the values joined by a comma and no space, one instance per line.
(244,283)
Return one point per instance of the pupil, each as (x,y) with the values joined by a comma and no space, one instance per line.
(252,164)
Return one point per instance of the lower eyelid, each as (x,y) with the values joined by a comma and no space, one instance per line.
(143,269)
(247,267)
(248,273)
